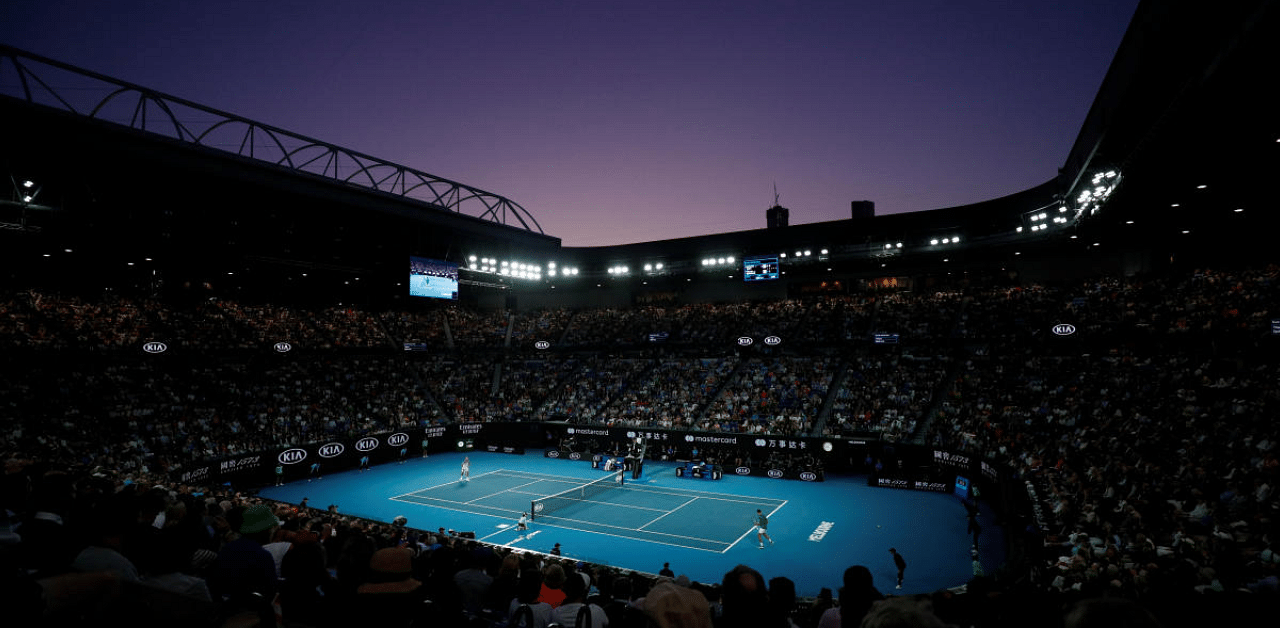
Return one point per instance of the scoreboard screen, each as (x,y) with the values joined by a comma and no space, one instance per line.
(433,278)
(760,268)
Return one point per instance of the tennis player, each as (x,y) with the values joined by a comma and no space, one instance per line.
(466,469)
(523,524)
(761,522)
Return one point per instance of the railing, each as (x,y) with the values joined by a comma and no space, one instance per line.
(41,81)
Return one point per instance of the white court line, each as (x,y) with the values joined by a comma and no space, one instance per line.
(744,534)
(448,505)
(680,492)
(544,476)
(592,501)
(597,523)
(432,488)
(632,538)
(668,512)
(453,482)
(509,490)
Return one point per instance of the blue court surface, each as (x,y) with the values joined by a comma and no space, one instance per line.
(702,527)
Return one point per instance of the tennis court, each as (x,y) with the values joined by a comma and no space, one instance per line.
(677,517)
(702,527)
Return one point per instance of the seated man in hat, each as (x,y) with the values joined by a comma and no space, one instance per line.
(244,574)
(390,595)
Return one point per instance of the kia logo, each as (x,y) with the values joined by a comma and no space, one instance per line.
(827,446)
(397,439)
(745,341)
(283,347)
(742,471)
(367,444)
(553,454)
(575,456)
(539,506)
(542,344)
(775,473)
(331,450)
(1064,329)
(760,442)
(292,456)
(772,340)
(155,347)
(631,434)
(808,476)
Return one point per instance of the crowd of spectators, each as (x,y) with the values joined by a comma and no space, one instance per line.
(1145,439)
(671,394)
(885,394)
(780,395)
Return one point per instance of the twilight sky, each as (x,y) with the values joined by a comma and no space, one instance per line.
(614,121)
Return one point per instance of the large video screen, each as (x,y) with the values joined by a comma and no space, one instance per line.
(433,278)
(760,268)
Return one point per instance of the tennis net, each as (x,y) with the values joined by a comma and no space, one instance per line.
(544,506)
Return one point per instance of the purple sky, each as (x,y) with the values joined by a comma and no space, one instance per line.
(618,121)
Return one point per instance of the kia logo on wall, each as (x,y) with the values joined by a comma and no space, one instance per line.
(541,344)
(283,347)
(292,456)
(745,341)
(772,340)
(331,450)
(775,473)
(631,434)
(575,456)
(367,444)
(1064,329)
(155,347)
(397,439)
(742,471)
(553,454)
(808,476)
